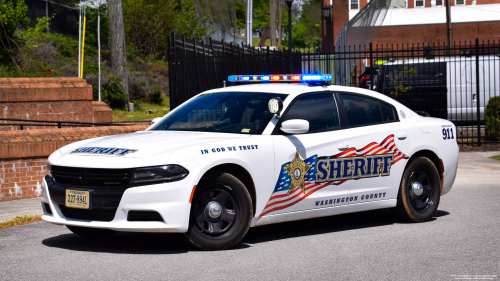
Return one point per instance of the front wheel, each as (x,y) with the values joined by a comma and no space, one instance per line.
(419,192)
(221,213)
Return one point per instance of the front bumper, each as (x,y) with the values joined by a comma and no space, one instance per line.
(170,200)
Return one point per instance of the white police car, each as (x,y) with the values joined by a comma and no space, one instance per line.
(249,155)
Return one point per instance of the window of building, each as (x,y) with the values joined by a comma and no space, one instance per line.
(459,2)
(439,2)
(420,3)
(354,4)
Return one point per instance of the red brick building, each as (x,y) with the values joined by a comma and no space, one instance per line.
(420,21)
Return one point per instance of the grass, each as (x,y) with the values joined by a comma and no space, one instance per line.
(20,221)
(143,111)
(496,157)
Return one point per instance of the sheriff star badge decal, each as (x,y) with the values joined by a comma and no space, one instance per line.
(297,171)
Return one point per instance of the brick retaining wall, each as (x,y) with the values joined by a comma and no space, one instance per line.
(23,155)
(53,99)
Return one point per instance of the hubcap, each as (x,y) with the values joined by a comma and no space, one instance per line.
(421,190)
(213,210)
(417,188)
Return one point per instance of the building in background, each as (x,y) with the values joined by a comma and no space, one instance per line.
(412,21)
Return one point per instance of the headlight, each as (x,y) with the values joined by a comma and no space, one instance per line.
(49,169)
(158,174)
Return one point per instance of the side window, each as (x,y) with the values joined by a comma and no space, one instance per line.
(319,110)
(388,113)
(361,111)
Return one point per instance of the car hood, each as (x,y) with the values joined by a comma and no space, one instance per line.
(147,143)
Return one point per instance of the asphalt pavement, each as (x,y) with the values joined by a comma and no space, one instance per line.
(461,242)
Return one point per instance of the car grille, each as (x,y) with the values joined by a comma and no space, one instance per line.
(92,215)
(144,216)
(90,177)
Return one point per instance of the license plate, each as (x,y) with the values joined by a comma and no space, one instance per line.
(77,199)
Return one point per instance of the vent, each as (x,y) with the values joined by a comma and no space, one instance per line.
(90,177)
(46,209)
(92,215)
(144,216)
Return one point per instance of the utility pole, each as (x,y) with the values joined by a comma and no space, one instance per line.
(117,41)
(448,25)
(249,22)
(272,19)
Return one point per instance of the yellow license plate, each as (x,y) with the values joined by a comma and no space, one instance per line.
(77,199)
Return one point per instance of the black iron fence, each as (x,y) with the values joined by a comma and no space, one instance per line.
(33,124)
(461,83)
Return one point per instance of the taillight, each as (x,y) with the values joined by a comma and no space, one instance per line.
(364,78)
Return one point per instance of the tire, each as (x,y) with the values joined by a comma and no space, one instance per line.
(415,204)
(221,213)
(92,233)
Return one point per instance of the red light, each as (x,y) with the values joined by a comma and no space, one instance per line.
(363,79)
(296,77)
(275,78)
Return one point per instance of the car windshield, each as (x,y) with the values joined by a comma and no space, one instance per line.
(242,113)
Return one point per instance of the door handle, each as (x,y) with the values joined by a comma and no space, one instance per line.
(402,136)
(343,146)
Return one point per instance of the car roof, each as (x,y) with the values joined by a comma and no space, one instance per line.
(295,89)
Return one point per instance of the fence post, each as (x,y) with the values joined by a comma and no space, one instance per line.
(371,66)
(197,74)
(224,56)
(184,66)
(170,70)
(268,61)
(477,95)
(206,66)
(213,58)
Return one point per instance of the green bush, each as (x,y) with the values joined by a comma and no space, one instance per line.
(492,117)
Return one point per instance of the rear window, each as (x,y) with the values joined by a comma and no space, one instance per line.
(360,110)
(388,113)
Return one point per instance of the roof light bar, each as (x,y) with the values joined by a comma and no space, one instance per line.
(281,78)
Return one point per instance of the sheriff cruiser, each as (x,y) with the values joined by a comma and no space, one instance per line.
(260,153)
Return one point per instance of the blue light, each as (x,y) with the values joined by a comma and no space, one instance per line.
(232,78)
(312,78)
(328,77)
(265,78)
(245,78)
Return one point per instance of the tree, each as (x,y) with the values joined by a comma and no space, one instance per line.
(12,14)
(400,73)
(148,23)
(272,18)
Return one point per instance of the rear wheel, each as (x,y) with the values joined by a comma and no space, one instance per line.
(93,233)
(221,213)
(419,192)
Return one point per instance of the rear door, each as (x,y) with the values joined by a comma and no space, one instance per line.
(377,148)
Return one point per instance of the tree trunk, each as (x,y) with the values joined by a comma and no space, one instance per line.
(272,10)
(279,25)
(117,40)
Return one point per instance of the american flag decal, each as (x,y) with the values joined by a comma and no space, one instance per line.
(280,199)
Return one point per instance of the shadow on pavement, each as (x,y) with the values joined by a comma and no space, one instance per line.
(161,243)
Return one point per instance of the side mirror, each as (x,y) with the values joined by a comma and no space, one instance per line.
(275,106)
(295,126)
(154,121)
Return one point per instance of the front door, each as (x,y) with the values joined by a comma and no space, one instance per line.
(301,161)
